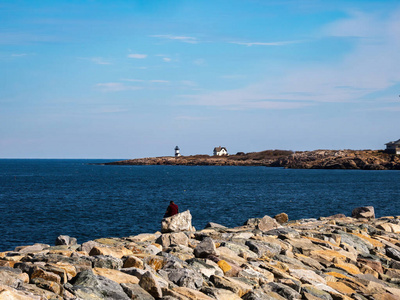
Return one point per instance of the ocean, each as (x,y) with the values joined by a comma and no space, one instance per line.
(42,199)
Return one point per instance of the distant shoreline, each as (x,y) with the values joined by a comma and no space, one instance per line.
(317,159)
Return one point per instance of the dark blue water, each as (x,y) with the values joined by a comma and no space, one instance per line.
(41,199)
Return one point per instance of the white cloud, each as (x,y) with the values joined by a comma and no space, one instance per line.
(167,59)
(283,43)
(369,67)
(184,39)
(144,81)
(137,56)
(159,81)
(19,54)
(190,118)
(199,61)
(100,61)
(116,87)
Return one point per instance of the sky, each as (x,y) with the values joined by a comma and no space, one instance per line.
(129,79)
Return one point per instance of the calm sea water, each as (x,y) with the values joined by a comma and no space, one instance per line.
(41,199)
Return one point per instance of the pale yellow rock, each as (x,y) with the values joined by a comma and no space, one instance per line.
(385,227)
(133,261)
(341,287)
(337,275)
(8,293)
(368,270)
(67,253)
(144,237)
(306,275)
(117,252)
(116,275)
(228,254)
(223,294)
(49,276)
(70,269)
(14,258)
(156,262)
(191,294)
(109,241)
(349,268)
(225,267)
(328,255)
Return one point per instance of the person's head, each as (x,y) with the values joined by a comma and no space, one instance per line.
(171,202)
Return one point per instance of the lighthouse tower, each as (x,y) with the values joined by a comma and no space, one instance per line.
(177,154)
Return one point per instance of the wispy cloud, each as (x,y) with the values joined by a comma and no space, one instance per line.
(96,60)
(190,118)
(137,56)
(100,61)
(199,62)
(365,71)
(116,87)
(282,43)
(19,54)
(184,39)
(147,81)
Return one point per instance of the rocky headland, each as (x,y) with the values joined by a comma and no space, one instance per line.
(329,258)
(317,159)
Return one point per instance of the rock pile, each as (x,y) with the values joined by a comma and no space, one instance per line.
(334,257)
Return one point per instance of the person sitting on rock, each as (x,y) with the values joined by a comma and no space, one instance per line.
(172,209)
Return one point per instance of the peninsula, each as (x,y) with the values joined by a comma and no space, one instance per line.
(317,159)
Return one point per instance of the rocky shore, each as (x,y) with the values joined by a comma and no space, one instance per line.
(334,257)
(318,159)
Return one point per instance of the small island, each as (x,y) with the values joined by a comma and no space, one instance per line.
(317,159)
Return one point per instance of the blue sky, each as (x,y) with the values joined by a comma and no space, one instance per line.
(129,79)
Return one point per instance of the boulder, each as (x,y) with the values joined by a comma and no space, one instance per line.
(65,240)
(220,294)
(134,291)
(263,249)
(215,225)
(133,261)
(86,285)
(281,218)
(149,283)
(117,252)
(115,275)
(191,294)
(31,249)
(11,277)
(205,248)
(175,238)
(284,290)
(7,292)
(205,267)
(267,223)
(185,277)
(107,261)
(366,212)
(177,223)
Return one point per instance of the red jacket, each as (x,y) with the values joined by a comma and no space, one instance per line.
(173,209)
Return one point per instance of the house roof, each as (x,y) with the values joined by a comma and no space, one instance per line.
(218,149)
(393,143)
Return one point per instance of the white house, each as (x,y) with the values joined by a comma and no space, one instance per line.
(393,147)
(219,151)
(177,153)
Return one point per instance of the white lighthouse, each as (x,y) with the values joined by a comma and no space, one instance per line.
(177,154)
